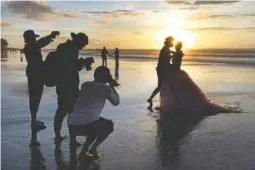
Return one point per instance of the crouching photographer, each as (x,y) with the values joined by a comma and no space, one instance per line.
(85,119)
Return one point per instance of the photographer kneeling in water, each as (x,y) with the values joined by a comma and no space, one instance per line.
(85,119)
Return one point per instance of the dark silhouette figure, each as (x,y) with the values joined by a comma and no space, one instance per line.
(116,56)
(34,72)
(163,65)
(86,120)
(68,84)
(104,54)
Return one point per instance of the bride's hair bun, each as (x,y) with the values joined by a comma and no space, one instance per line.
(178,44)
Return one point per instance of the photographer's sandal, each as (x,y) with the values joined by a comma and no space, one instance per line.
(86,156)
(95,154)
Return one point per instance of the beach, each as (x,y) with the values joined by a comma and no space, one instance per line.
(223,141)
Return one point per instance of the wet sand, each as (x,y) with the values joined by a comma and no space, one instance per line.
(139,141)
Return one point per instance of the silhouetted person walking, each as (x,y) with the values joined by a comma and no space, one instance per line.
(34,72)
(162,67)
(68,85)
(104,54)
(116,54)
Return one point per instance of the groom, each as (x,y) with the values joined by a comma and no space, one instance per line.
(163,62)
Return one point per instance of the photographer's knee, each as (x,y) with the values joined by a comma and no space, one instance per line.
(111,126)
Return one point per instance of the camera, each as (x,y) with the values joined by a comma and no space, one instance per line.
(87,62)
(54,34)
(112,82)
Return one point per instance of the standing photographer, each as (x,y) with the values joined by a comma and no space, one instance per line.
(85,119)
(34,72)
(68,86)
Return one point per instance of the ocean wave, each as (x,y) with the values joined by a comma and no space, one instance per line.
(245,57)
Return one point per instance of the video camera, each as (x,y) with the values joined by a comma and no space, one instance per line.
(86,62)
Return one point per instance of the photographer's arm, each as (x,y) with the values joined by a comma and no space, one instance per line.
(113,96)
(43,42)
(46,40)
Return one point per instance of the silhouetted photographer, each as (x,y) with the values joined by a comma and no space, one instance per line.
(67,71)
(35,73)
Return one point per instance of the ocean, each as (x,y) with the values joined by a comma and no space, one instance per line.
(221,56)
(223,141)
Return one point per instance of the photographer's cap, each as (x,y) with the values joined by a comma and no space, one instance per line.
(80,37)
(30,34)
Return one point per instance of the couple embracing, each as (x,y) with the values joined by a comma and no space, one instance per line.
(178,92)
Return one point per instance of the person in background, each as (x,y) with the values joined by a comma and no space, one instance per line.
(34,72)
(116,56)
(85,119)
(104,54)
(68,85)
(162,67)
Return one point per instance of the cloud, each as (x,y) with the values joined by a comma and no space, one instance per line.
(221,29)
(5,24)
(202,16)
(137,33)
(249,15)
(101,22)
(200,2)
(214,2)
(114,14)
(38,11)
(187,7)
(155,11)
(69,14)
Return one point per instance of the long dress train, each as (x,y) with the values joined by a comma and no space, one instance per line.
(180,93)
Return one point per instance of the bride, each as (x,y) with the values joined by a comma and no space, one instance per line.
(180,93)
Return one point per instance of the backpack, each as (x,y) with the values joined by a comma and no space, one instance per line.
(51,69)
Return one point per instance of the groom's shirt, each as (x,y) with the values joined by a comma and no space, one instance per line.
(164,58)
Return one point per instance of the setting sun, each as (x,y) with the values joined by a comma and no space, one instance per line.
(187,38)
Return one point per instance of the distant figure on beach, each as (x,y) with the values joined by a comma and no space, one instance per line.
(180,94)
(104,54)
(116,54)
(85,119)
(163,63)
(34,72)
(68,84)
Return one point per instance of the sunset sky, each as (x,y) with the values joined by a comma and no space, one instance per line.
(133,24)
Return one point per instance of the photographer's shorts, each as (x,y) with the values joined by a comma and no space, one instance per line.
(99,127)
